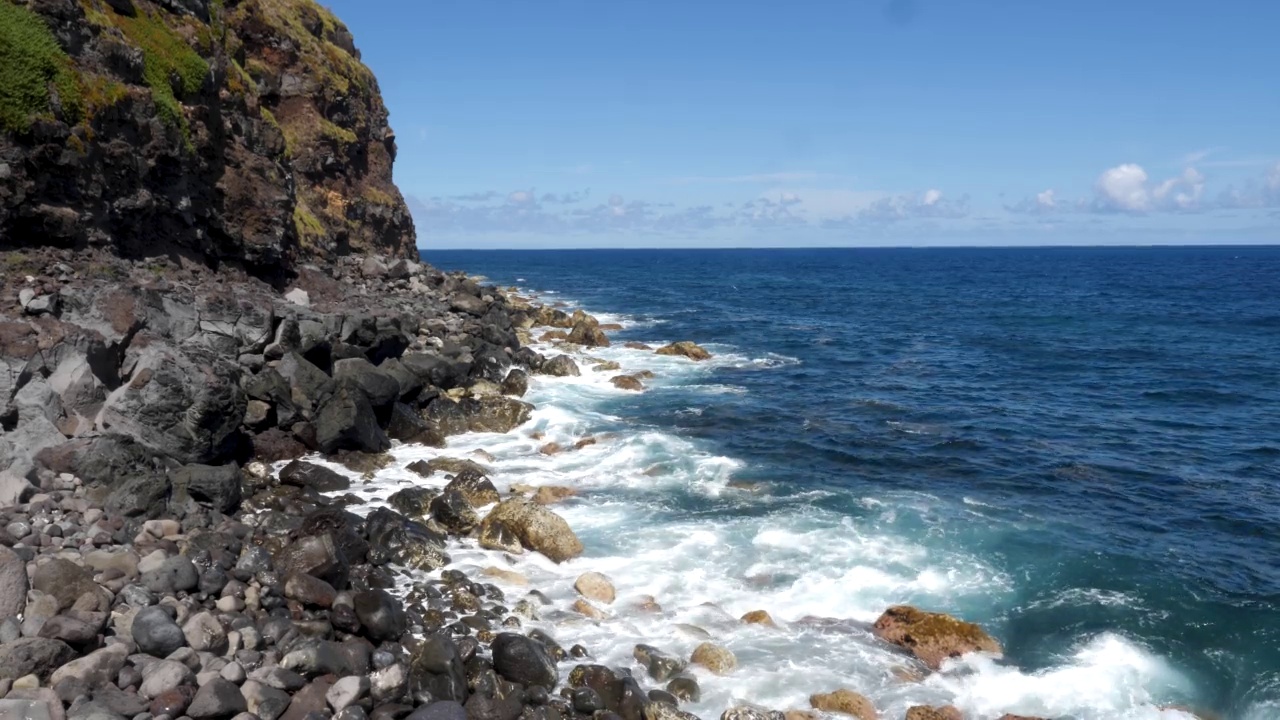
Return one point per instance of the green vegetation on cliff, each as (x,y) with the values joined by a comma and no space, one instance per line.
(30,63)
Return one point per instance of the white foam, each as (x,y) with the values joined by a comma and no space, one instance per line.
(821,575)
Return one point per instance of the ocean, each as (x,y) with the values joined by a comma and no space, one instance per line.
(1078,449)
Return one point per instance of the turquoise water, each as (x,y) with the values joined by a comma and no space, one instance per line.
(1077,448)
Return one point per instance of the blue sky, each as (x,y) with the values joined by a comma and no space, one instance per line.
(525,123)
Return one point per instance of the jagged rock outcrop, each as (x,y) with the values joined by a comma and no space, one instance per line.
(244,133)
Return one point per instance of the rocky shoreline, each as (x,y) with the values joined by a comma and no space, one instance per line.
(166,550)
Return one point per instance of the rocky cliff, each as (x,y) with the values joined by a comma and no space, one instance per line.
(224,132)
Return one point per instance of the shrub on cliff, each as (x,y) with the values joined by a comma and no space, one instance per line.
(31,62)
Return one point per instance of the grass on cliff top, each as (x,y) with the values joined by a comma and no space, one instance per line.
(332,65)
(31,62)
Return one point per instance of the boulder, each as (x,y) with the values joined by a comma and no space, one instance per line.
(589,334)
(406,425)
(381,615)
(379,386)
(97,668)
(436,669)
(845,702)
(13,583)
(715,658)
(217,486)
(346,421)
(626,382)
(453,512)
(309,590)
(516,383)
(318,556)
(538,528)
(184,404)
(524,660)
(498,414)
(665,711)
(474,486)
(685,348)
(561,366)
(658,664)
(552,494)
(932,637)
(924,712)
(175,574)
(393,538)
(594,586)
(450,465)
(216,700)
(758,617)
(414,502)
(317,477)
(204,633)
(582,607)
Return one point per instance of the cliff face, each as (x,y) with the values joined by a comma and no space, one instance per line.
(226,132)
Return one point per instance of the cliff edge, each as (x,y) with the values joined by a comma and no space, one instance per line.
(243,133)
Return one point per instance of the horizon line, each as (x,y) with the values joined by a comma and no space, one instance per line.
(1131,246)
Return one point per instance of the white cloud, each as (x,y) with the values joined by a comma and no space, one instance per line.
(1123,188)
(522,197)
(1046,199)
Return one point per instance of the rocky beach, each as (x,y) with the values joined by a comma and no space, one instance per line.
(248,439)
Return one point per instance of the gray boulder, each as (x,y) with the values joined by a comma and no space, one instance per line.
(156,633)
(346,421)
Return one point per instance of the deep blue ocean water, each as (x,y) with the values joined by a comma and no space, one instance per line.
(1099,427)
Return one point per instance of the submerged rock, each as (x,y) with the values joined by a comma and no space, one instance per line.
(845,702)
(594,586)
(924,712)
(715,658)
(932,637)
(685,348)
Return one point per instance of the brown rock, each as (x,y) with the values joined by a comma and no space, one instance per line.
(686,349)
(585,608)
(510,576)
(537,528)
(552,335)
(309,590)
(551,448)
(932,637)
(715,658)
(627,382)
(845,702)
(637,346)
(594,586)
(551,494)
(924,712)
(801,715)
(584,442)
(758,617)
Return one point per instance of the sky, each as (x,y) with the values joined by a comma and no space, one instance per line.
(628,123)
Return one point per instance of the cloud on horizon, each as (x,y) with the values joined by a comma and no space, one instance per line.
(1129,189)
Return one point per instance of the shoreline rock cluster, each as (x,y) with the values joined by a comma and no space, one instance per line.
(152,566)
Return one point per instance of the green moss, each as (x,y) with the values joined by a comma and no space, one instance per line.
(307,225)
(100,92)
(336,132)
(377,197)
(31,64)
(168,60)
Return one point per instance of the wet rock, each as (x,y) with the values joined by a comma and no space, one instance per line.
(173,703)
(13,583)
(317,556)
(317,657)
(394,538)
(523,660)
(685,348)
(750,712)
(436,669)
(317,477)
(448,465)
(537,528)
(758,617)
(627,382)
(263,700)
(552,494)
(658,664)
(216,700)
(309,701)
(474,486)
(845,702)
(389,683)
(508,576)
(589,334)
(516,383)
(663,711)
(561,366)
(583,607)
(33,656)
(413,502)
(496,536)
(932,637)
(594,586)
(381,615)
(923,712)
(156,633)
(379,386)
(715,658)
(685,688)
(453,512)
(442,710)
(309,590)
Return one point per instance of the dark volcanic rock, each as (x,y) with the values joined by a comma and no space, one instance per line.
(523,660)
(451,509)
(436,669)
(217,699)
(381,615)
(316,477)
(216,486)
(346,421)
(395,538)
